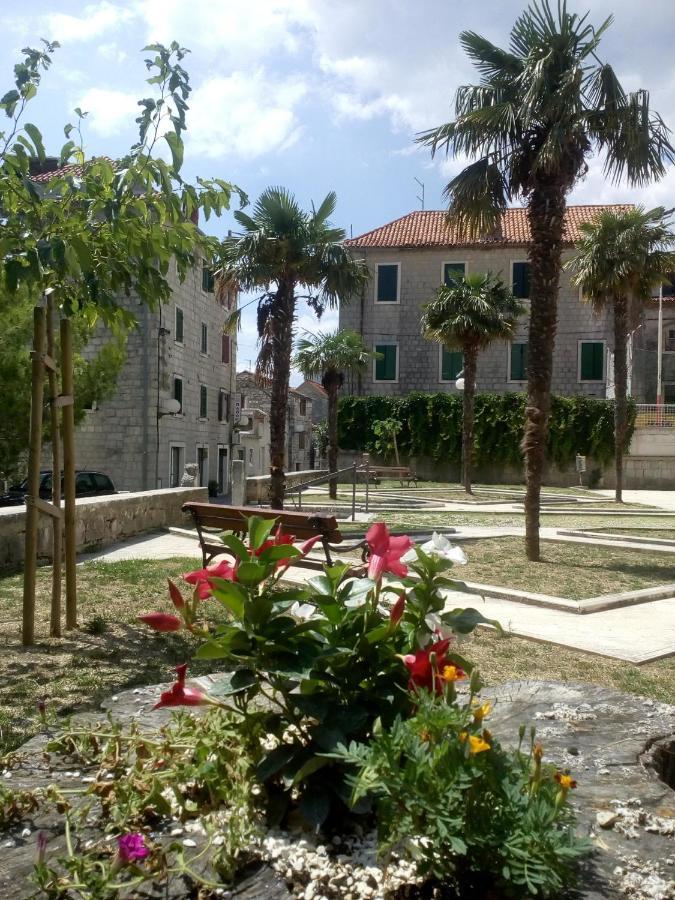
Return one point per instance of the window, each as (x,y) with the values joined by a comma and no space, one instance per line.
(175,465)
(521,280)
(205,338)
(669,342)
(178,391)
(452,363)
(179,325)
(102,482)
(203,465)
(518,362)
(83,484)
(207,279)
(301,440)
(203,401)
(386,367)
(668,289)
(591,360)
(451,270)
(223,406)
(387,283)
(225,349)
(303,406)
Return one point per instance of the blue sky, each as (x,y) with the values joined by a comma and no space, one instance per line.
(313,95)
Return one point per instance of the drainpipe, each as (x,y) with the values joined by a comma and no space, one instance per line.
(145,396)
(659,352)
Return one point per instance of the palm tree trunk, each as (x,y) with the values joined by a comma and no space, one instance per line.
(282,345)
(620,389)
(546,211)
(470,358)
(332,385)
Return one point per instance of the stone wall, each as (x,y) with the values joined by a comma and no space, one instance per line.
(419,359)
(257,488)
(100,521)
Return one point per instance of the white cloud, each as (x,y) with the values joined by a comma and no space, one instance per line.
(110,111)
(247,114)
(112,52)
(93,21)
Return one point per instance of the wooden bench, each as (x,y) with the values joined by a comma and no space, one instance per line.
(402,473)
(211,519)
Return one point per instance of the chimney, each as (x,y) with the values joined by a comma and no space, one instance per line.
(40,167)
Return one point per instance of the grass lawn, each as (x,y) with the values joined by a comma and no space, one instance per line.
(400,520)
(637,533)
(111,652)
(567,570)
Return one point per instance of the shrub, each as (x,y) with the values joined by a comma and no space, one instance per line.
(432,426)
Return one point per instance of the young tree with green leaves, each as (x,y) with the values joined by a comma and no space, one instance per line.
(289,254)
(467,315)
(621,257)
(540,109)
(330,356)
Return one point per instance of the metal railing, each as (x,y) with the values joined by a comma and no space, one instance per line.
(655,415)
(332,476)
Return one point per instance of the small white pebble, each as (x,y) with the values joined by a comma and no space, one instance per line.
(188,842)
(26,833)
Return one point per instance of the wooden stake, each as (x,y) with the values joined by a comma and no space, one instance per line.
(57,524)
(35,446)
(69,471)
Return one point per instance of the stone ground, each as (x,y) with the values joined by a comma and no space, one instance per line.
(606,739)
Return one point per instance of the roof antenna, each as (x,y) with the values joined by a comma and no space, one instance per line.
(420,197)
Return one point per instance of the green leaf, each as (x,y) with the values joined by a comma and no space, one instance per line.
(280,551)
(236,545)
(322,585)
(34,133)
(259,530)
(314,805)
(312,765)
(211,650)
(243,679)
(251,573)
(230,595)
(177,149)
(463,621)
(276,760)
(328,736)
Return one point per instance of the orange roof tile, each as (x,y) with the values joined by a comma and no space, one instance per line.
(74,170)
(430,228)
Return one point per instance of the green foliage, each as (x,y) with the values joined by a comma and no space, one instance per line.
(469,813)
(332,355)
(321,437)
(432,426)
(386,432)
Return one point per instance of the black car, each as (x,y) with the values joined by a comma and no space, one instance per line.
(87,484)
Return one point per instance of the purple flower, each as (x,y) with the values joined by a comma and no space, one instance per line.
(41,847)
(131,847)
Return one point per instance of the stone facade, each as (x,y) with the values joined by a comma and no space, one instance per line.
(419,361)
(643,352)
(319,398)
(131,437)
(253,396)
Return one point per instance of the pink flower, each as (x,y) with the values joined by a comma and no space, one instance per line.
(175,594)
(162,621)
(201,578)
(397,610)
(386,552)
(276,541)
(179,695)
(131,847)
(308,544)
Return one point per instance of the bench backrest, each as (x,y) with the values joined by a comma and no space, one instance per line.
(235,518)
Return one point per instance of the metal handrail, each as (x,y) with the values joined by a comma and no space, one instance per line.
(354,468)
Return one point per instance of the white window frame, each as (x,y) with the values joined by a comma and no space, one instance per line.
(442,380)
(509,344)
(178,445)
(398,285)
(512,263)
(454,262)
(177,308)
(398,362)
(602,380)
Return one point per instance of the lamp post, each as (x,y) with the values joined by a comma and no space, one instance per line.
(459,384)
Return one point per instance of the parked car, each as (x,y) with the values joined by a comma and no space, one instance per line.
(87,484)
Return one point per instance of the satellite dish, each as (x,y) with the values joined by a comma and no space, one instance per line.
(169,406)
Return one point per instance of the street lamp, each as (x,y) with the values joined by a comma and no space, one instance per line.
(459,381)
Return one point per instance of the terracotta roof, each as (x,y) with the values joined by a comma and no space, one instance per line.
(308,382)
(429,228)
(74,170)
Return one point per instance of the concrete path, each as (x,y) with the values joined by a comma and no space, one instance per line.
(637,634)
(660,499)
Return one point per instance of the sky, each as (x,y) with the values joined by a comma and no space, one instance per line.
(312,95)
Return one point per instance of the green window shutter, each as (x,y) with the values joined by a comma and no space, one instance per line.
(518,368)
(452,270)
(178,391)
(452,363)
(387,283)
(207,279)
(203,402)
(385,367)
(521,280)
(179,325)
(592,361)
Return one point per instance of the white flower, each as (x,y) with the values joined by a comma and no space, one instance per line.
(439,545)
(437,627)
(409,556)
(303,611)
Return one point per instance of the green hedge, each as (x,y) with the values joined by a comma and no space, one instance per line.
(432,426)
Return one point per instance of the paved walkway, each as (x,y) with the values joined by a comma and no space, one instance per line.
(660,499)
(637,634)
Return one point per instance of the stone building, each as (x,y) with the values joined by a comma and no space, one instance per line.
(317,394)
(253,396)
(411,257)
(177,352)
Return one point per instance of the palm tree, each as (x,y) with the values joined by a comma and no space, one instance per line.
(539,110)
(330,356)
(283,249)
(467,315)
(622,257)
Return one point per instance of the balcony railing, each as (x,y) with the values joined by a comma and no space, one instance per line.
(655,415)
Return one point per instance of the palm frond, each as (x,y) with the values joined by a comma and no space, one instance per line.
(478,197)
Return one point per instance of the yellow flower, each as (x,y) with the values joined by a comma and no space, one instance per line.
(452,673)
(476,743)
(481,711)
(565,781)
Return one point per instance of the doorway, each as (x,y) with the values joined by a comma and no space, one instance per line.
(223,460)
(203,465)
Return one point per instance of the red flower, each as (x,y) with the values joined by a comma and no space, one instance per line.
(162,621)
(179,695)
(386,552)
(201,577)
(397,610)
(277,541)
(175,594)
(428,673)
